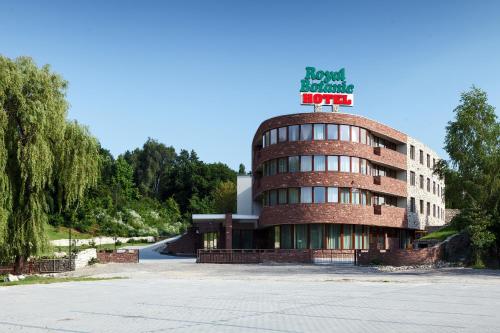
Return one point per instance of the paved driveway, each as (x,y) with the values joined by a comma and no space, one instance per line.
(185,297)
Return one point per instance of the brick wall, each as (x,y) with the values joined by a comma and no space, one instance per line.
(397,257)
(184,245)
(118,256)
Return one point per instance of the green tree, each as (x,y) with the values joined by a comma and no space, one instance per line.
(241,170)
(37,145)
(122,183)
(472,175)
(224,197)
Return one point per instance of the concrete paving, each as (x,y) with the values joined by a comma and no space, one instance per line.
(181,296)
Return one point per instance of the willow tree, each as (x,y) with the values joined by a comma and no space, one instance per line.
(36,155)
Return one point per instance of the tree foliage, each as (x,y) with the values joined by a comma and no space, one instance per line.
(224,196)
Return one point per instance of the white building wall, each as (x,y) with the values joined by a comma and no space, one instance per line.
(244,195)
(417,219)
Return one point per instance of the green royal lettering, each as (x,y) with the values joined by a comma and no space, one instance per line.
(310,73)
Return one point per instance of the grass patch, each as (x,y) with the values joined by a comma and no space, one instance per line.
(54,233)
(49,280)
(441,234)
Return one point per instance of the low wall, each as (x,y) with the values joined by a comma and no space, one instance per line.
(183,245)
(83,257)
(118,256)
(98,240)
(397,257)
(40,266)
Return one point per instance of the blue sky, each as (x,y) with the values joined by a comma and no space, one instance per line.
(203,75)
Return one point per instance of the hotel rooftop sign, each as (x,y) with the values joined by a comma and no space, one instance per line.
(326,88)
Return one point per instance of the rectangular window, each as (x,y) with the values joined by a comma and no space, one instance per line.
(268,140)
(354,134)
(300,236)
(282,134)
(319,163)
(433,163)
(421,157)
(286,236)
(358,236)
(333,239)
(319,195)
(273,197)
(421,182)
(345,164)
(364,198)
(319,131)
(344,133)
(306,194)
(333,194)
(412,178)
(293,133)
(438,210)
(345,195)
(333,163)
(347,236)
(362,133)
(282,165)
(306,132)
(355,164)
(316,236)
(293,164)
(293,195)
(433,187)
(412,205)
(421,206)
(428,209)
(434,210)
(272,167)
(428,160)
(277,237)
(363,169)
(366,238)
(305,163)
(428,185)
(274,136)
(355,196)
(210,240)
(263,141)
(412,152)
(333,131)
(282,196)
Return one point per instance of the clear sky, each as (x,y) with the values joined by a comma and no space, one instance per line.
(203,75)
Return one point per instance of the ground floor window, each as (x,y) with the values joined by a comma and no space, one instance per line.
(333,236)
(316,236)
(242,239)
(210,240)
(286,236)
(300,236)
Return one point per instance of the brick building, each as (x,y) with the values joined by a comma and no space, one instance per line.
(328,180)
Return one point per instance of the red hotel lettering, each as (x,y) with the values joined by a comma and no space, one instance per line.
(307,98)
(327,99)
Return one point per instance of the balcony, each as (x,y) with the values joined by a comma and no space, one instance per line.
(389,157)
(389,185)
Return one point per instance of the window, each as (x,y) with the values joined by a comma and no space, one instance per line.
(305,163)
(272,167)
(282,165)
(293,133)
(333,194)
(363,167)
(433,187)
(274,136)
(300,236)
(412,152)
(268,142)
(293,195)
(333,240)
(433,163)
(293,164)
(345,164)
(319,131)
(286,236)
(358,236)
(354,134)
(316,236)
(421,157)
(344,132)
(412,178)
(347,236)
(333,131)
(264,141)
(345,195)
(412,205)
(282,134)
(438,190)
(438,210)
(319,194)
(273,198)
(362,133)
(282,196)
(428,209)
(333,163)
(319,163)
(277,237)
(421,182)
(355,196)
(306,132)
(434,210)
(355,164)
(428,160)
(210,240)
(421,206)
(428,185)
(305,194)
(364,198)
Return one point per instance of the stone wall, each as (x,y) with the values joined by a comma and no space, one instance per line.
(118,256)
(83,257)
(397,257)
(98,240)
